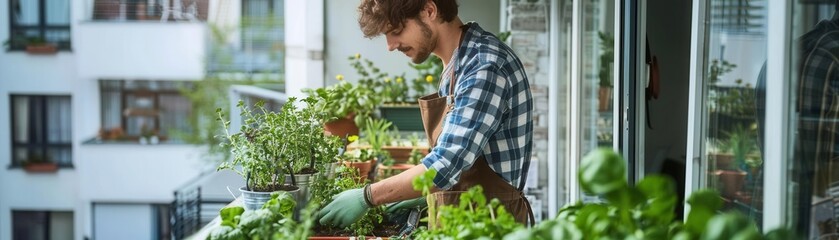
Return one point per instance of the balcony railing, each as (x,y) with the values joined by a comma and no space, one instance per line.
(150,10)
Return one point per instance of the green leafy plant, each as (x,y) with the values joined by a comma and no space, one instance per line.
(473,218)
(272,144)
(741,142)
(358,155)
(644,211)
(347,100)
(428,76)
(236,223)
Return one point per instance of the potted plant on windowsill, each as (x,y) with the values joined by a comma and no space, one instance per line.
(741,142)
(39,164)
(32,45)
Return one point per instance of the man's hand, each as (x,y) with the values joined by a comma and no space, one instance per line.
(409,204)
(345,209)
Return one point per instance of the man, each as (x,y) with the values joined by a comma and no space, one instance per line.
(480,128)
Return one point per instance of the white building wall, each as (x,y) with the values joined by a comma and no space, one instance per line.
(104,172)
(140,50)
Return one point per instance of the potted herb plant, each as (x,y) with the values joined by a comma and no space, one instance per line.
(361,159)
(308,151)
(741,142)
(346,105)
(259,151)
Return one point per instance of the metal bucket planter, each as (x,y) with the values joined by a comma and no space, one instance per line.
(303,182)
(254,200)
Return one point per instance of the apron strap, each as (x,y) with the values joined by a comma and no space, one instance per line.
(532,219)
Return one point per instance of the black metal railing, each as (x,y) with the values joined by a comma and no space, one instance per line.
(186,213)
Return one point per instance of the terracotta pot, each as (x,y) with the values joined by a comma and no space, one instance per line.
(41,167)
(41,49)
(363,168)
(604,97)
(730,181)
(341,127)
(722,160)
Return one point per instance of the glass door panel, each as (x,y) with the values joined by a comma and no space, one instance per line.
(734,53)
(812,189)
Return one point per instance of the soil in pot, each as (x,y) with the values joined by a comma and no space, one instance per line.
(384,229)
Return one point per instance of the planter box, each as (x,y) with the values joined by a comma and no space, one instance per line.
(41,167)
(44,49)
(404,117)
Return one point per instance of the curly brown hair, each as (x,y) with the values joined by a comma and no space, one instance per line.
(382,16)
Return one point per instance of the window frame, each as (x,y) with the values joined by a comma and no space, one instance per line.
(123,96)
(45,145)
(41,27)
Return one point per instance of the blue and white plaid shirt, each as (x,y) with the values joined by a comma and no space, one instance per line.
(491,116)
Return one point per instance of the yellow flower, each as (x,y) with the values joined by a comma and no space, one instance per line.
(387,80)
(429,78)
(399,80)
(352,138)
(358,56)
(339,77)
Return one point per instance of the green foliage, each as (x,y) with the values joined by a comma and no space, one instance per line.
(272,144)
(358,155)
(718,69)
(376,133)
(428,76)
(607,44)
(343,179)
(602,171)
(741,142)
(346,99)
(644,211)
(472,218)
(236,223)
(736,101)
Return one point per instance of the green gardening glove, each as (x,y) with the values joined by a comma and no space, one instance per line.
(406,205)
(345,209)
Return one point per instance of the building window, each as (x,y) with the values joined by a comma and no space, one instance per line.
(262,22)
(155,10)
(39,21)
(41,129)
(134,109)
(42,225)
(161,222)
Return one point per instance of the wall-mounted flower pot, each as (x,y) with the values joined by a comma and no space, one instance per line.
(45,167)
(404,117)
(254,200)
(41,49)
(341,127)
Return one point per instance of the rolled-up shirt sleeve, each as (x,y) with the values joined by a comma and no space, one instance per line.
(478,108)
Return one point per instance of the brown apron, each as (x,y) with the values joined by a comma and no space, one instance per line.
(434,110)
